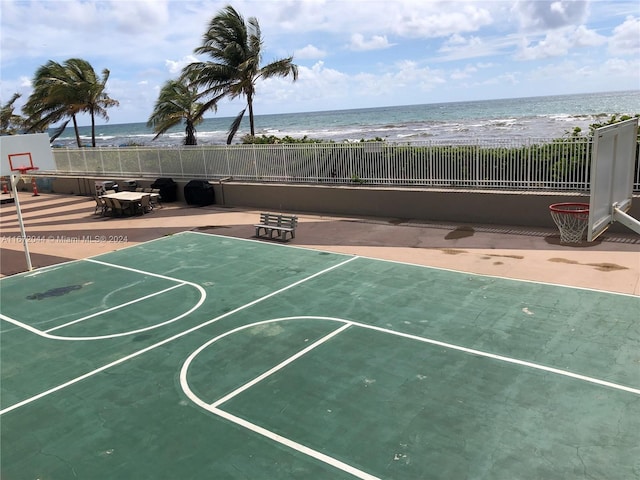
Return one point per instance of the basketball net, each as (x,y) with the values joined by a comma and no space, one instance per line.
(572,220)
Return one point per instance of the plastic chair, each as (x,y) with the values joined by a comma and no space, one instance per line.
(101,206)
(156,199)
(108,206)
(117,207)
(145,204)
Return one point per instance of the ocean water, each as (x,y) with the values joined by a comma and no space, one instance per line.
(515,119)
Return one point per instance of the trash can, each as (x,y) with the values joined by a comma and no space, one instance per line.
(168,189)
(102,187)
(129,185)
(199,192)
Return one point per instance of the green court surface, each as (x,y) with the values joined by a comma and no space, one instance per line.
(197,356)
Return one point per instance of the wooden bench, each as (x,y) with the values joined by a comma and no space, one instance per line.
(273,222)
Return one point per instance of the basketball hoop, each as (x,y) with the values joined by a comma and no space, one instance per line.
(18,172)
(24,170)
(572,220)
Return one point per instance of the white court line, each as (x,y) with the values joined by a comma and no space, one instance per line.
(166,340)
(179,282)
(280,366)
(295,445)
(503,358)
(102,312)
(214,407)
(426,267)
(252,426)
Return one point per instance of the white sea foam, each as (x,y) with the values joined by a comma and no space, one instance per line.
(541,117)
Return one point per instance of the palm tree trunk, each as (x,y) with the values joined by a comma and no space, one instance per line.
(75,128)
(250,103)
(93,129)
(190,131)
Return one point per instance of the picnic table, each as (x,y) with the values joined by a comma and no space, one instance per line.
(128,202)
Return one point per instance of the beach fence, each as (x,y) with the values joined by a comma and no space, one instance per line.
(543,164)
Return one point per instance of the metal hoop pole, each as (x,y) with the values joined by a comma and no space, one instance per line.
(15,178)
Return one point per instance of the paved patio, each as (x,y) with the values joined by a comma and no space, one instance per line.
(64,227)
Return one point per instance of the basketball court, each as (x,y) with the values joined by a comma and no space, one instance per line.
(199,355)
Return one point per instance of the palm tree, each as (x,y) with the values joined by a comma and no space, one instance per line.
(177,102)
(65,90)
(235,47)
(92,90)
(51,101)
(10,123)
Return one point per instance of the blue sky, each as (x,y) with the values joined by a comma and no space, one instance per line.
(350,53)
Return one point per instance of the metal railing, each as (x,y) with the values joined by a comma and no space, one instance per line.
(549,164)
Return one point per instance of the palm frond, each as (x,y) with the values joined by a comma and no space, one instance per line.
(280,68)
(235,126)
(58,131)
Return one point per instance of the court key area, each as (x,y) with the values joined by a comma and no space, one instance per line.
(201,356)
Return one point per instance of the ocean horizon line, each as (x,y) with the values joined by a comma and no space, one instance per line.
(549,116)
(408,105)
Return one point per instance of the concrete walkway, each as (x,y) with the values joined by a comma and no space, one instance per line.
(64,227)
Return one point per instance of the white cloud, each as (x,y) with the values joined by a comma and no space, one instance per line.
(376,42)
(133,17)
(626,38)
(617,67)
(583,37)
(545,14)
(437,19)
(619,74)
(458,47)
(309,52)
(559,42)
(316,82)
(506,78)
(459,74)
(405,18)
(554,44)
(174,67)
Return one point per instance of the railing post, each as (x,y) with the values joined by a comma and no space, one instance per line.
(119,162)
(204,162)
(255,162)
(529,181)
(101,162)
(476,162)
(284,161)
(315,157)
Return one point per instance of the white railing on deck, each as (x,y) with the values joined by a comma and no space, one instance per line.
(499,164)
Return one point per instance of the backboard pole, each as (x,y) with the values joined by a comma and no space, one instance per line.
(625,219)
(15,178)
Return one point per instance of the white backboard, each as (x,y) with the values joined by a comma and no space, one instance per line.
(612,162)
(21,149)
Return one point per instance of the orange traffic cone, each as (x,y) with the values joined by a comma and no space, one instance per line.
(34,187)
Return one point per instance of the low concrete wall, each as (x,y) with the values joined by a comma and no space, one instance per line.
(500,208)
(464,206)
